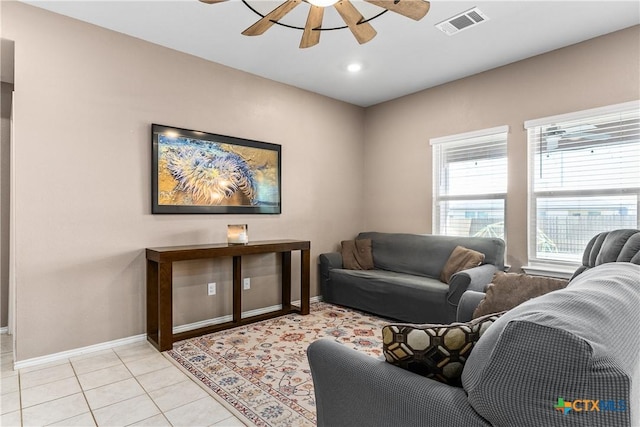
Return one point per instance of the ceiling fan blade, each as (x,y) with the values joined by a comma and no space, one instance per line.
(212,1)
(414,9)
(270,18)
(363,32)
(311,35)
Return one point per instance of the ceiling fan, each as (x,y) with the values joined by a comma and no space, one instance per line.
(361,28)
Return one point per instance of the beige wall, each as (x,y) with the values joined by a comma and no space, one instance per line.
(5,135)
(6,80)
(85,97)
(398,192)
(84,101)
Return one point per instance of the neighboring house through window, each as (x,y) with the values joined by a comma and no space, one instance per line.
(584,178)
(470,183)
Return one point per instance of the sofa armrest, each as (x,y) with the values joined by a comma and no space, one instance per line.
(474,279)
(352,388)
(330,260)
(467,305)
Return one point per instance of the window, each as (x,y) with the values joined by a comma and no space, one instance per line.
(584,178)
(470,183)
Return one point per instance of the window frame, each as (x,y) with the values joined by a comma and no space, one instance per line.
(437,198)
(548,266)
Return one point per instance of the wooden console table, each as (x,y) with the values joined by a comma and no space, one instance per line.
(159,285)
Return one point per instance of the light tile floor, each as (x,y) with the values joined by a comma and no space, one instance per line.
(128,385)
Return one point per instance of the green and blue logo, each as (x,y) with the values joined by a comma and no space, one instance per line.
(590,405)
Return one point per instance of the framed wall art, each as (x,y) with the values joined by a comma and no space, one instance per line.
(195,172)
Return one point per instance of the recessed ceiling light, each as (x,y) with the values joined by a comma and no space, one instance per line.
(354,68)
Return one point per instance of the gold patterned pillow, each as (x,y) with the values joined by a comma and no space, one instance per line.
(434,351)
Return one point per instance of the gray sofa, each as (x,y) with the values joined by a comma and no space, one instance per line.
(404,283)
(575,344)
(621,245)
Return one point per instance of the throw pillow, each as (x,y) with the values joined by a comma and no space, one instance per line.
(508,290)
(434,351)
(460,259)
(357,255)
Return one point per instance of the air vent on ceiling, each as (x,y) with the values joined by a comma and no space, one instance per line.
(462,21)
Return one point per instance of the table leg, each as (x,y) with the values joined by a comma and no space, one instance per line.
(152,302)
(305,274)
(165,307)
(286,281)
(237,288)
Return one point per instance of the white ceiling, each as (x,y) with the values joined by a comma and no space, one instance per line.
(405,57)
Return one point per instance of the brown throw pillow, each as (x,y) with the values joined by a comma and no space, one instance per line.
(460,259)
(508,290)
(438,352)
(357,255)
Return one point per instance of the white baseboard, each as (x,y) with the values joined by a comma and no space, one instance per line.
(140,338)
(229,318)
(78,351)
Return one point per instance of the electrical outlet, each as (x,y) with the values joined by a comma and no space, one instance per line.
(247,283)
(211,288)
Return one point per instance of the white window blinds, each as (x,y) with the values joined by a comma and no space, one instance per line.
(584,178)
(470,183)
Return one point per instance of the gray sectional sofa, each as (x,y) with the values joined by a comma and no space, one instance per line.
(404,283)
(621,245)
(565,347)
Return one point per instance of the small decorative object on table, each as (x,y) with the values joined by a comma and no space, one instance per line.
(238,234)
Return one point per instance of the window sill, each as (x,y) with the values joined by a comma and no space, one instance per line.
(549,270)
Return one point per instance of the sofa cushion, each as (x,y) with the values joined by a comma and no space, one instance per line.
(386,294)
(580,342)
(508,290)
(356,254)
(425,254)
(434,351)
(461,258)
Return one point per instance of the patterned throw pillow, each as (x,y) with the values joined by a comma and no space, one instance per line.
(434,351)
(461,258)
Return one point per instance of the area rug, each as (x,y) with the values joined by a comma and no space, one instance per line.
(260,371)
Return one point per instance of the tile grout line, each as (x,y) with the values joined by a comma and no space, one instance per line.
(189,376)
(191,380)
(90,409)
(19,395)
(83,394)
(19,387)
(145,391)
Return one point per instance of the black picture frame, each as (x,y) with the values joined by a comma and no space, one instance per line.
(194,172)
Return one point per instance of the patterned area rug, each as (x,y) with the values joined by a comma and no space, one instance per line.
(261,371)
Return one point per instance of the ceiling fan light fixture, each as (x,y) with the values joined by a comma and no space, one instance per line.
(357,24)
(322,3)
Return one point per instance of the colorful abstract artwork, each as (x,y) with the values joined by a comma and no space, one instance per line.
(197,172)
